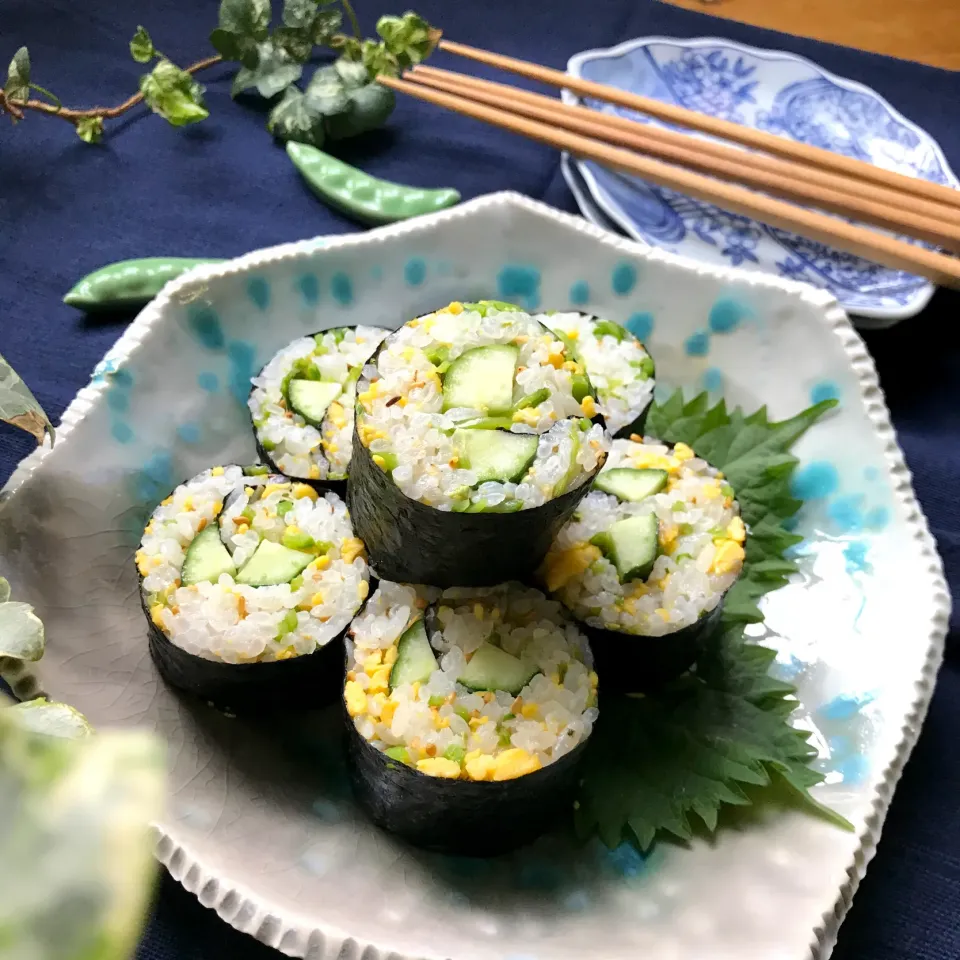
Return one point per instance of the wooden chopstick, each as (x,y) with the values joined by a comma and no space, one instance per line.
(748,136)
(839,194)
(860,241)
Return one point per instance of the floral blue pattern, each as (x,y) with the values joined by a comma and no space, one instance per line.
(785,95)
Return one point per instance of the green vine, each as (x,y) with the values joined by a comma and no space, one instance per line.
(341,99)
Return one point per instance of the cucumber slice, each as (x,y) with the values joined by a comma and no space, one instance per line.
(491,668)
(310,398)
(631,545)
(487,423)
(482,379)
(496,454)
(631,485)
(271,564)
(415,657)
(206,558)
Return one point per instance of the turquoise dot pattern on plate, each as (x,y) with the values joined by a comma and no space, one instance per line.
(415,271)
(579,293)
(697,344)
(341,286)
(258,290)
(640,325)
(309,287)
(623,278)
(519,282)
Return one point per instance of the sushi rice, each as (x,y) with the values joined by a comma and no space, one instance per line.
(439,726)
(296,447)
(619,367)
(701,551)
(403,424)
(235,623)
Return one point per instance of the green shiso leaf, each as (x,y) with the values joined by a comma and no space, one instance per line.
(661,764)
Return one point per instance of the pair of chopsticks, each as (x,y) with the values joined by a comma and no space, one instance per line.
(787,172)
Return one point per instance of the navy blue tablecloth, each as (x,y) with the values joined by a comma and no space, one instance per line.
(223,188)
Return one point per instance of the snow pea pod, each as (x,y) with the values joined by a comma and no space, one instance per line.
(361,196)
(128,283)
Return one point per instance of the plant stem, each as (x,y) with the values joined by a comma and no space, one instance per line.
(357,32)
(16,107)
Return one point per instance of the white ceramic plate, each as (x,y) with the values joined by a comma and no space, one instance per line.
(781,93)
(261,826)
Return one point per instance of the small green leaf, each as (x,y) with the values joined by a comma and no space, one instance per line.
(245,18)
(352,74)
(294,41)
(232,46)
(409,38)
(173,94)
(367,109)
(51,719)
(298,13)
(21,632)
(349,47)
(379,60)
(325,25)
(141,46)
(4,590)
(17,86)
(90,129)
(274,72)
(19,406)
(325,92)
(293,118)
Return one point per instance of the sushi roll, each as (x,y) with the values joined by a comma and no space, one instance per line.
(474,441)
(302,403)
(248,583)
(618,365)
(646,560)
(467,713)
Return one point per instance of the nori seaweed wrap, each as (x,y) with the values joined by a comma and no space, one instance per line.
(620,369)
(248,583)
(302,402)
(474,441)
(467,713)
(646,560)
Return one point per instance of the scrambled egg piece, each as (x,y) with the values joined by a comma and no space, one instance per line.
(514,763)
(439,767)
(352,548)
(336,414)
(355,698)
(478,766)
(389,709)
(736,530)
(563,565)
(728,557)
(380,680)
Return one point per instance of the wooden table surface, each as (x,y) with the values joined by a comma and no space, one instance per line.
(924,30)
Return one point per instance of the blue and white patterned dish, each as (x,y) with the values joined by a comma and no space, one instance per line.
(774,91)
